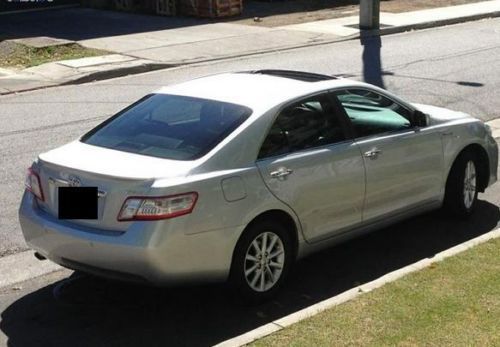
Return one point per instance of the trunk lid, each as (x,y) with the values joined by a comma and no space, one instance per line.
(117,175)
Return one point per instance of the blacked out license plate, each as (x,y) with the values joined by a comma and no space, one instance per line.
(77,202)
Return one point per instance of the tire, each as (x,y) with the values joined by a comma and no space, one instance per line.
(461,187)
(258,279)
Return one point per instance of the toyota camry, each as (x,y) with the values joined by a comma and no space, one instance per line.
(236,176)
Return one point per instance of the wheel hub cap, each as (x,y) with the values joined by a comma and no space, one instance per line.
(264,261)
(469,184)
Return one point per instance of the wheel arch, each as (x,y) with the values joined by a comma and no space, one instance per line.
(483,164)
(283,217)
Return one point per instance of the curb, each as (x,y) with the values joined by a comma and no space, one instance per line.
(350,294)
(494,125)
(438,23)
(101,75)
(121,72)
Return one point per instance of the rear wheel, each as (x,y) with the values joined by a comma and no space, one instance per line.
(461,187)
(261,261)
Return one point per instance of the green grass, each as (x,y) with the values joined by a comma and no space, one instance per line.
(21,56)
(453,303)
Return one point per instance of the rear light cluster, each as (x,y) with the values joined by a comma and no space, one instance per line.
(153,208)
(136,207)
(32,183)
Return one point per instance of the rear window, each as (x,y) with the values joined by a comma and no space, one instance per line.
(169,126)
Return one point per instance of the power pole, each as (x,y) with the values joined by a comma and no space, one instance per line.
(369,14)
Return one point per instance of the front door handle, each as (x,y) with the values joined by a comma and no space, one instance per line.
(373,153)
(281,172)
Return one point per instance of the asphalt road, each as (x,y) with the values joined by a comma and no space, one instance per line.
(455,67)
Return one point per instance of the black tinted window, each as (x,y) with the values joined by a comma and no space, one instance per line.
(169,126)
(371,113)
(306,124)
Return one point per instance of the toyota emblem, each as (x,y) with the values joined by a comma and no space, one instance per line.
(74,181)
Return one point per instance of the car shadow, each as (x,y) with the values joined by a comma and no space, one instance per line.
(83,310)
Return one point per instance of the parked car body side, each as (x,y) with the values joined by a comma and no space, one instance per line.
(453,146)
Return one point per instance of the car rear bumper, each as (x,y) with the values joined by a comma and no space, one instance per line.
(155,252)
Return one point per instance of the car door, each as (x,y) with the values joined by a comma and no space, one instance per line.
(308,162)
(404,163)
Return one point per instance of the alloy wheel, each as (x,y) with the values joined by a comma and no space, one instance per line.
(469,184)
(264,261)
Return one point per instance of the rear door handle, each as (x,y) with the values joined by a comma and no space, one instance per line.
(281,172)
(373,153)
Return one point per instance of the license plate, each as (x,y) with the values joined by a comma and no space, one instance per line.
(77,202)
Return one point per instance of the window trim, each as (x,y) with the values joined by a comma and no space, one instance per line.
(343,122)
(404,105)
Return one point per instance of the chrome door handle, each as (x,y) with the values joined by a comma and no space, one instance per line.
(373,154)
(280,173)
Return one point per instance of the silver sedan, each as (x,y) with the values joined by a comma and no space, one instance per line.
(236,176)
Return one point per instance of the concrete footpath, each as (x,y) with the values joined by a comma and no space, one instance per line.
(159,49)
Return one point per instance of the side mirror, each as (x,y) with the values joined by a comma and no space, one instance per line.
(419,119)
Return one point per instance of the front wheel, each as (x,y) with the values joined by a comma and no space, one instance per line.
(261,261)
(461,187)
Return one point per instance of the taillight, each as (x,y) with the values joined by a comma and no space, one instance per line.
(153,208)
(32,183)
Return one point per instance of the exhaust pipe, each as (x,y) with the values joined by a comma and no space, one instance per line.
(39,256)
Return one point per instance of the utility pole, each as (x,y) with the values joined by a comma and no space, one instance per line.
(369,14)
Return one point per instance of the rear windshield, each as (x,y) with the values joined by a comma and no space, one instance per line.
(169,126)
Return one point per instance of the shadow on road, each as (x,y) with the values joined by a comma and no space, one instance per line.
(372,61)
(89,311)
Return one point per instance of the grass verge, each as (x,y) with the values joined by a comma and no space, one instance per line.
(452,303)
(20,56)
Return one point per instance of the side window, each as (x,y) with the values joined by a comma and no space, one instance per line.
(371,113)
(305,124)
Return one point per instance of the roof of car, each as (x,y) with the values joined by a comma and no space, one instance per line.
(256,89)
